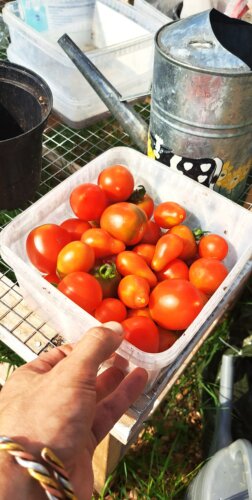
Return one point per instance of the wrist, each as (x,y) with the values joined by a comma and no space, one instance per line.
(16,483)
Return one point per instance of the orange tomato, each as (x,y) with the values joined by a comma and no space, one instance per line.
(169,214)
(76,256)
(128,262)
(207,274)
(190,246)
(145,251)
(213,246)
(102,242)
(134,291)
(167,248)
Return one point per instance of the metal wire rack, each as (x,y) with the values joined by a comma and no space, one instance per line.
(64,151)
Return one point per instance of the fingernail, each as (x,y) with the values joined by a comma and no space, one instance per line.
(116,327)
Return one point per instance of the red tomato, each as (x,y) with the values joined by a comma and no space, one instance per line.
(111,310)
(75,227)
(176,269)
(75,256)
(134,291)
(125,222)
(88,201)
(131,263)
(139,312)
(117,182)
(207,274)
(213,246)
(142,333)
(43,245)
(142,200)
(166,339)
(102,242)
(169,214)
(145,251)
(167,248)
(108,277)
(83,289)
(152,233)
(174,304)
(190,246)
(52,278)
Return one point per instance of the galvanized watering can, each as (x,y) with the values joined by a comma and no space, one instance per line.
(200,119)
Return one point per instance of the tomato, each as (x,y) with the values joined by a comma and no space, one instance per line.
(190,246)
(166,339)
(167,248)
(117,182)
(131,263)
(142,200)
(102,242)
(75,256)
(213,246)
(176,269)
(75,227)
(152,233)
(108,277)
(88,201)
(174,304)
(124,221)
(43,245)
(52,278)
(134,291)
(83,289)
(144,311)
(169,214)
(145,251)
(142,333)
(111,310)
(207,274)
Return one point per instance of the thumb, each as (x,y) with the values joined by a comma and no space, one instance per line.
(96,345)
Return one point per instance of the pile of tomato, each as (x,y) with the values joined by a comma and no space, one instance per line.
(123,258)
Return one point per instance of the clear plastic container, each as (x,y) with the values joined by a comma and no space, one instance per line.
(204,208)
(118,38)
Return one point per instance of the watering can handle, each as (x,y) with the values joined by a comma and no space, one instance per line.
(132,123)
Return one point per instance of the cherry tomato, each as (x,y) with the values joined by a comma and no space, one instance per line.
(52,278)
(134,291)
(111,310)
(102,242)
(190,246)
(145,251)
(124,221)
(213,246)
(207,274)
(88,201)
(142,200)
(131,263)
(75,227)
(152,233)
(169,214)
(83,289)
(174,304)
(108,277)
(176,269)
(117,182)
(166,339)
(43,245)
(167,248)
(142,333)
(75,256)
(144,311)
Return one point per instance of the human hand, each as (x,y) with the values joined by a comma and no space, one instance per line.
(58,401)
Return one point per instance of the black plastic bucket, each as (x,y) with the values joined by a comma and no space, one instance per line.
(25,104)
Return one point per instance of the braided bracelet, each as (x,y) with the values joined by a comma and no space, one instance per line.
(56,483)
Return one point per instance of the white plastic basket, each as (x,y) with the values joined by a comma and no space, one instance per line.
(204,207)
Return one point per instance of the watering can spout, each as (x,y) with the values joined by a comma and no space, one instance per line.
(125,114)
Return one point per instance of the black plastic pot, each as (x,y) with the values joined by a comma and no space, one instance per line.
(25,104)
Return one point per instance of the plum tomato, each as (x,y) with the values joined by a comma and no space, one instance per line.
(110,309)
(134,291)
(174,304)
(129,262)
(207,274)
(108,277)
(124,221)
(168,248)
(75,227)
(83,289)
(142,200)
(102,242)
(43,245)
(117,182)
(168,214)
(213,246)
(176,269)
(146,251)
(142,333)
(152,233)
(88,201)
(75,256)
(190,246)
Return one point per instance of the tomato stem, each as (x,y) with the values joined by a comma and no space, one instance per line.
(198,233)
(138,194)
(106,271)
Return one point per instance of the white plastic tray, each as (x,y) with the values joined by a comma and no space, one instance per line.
(204,207)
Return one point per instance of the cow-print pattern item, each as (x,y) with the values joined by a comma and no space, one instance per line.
(203,170)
